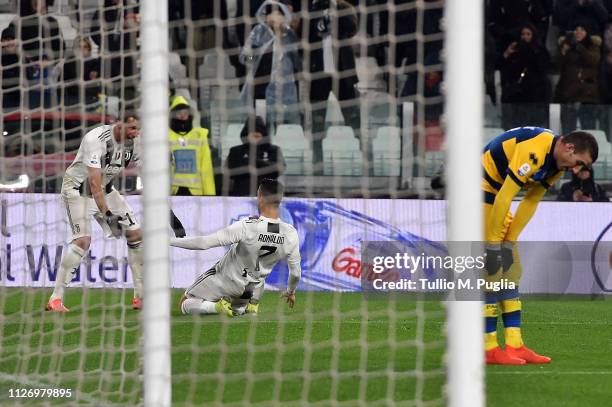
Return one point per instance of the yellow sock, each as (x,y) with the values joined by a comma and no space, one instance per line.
(511,315)
(490,337)
(513,337)
(491,340)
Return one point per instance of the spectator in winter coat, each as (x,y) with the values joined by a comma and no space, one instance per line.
(256,158)
(524,66)
(578,89)
(271,57)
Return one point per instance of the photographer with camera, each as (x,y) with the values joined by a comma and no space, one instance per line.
(583,188)
(524,67)
(578,89)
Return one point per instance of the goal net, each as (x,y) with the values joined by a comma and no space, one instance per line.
(349,91)
(65,67)
(351,95)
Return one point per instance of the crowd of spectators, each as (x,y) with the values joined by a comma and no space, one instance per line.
(293,54)
(551,52)
(40,68)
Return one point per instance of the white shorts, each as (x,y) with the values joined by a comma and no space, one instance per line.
(80,209)
(213,286)
(251,295)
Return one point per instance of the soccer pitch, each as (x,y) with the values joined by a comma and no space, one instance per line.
(220,361)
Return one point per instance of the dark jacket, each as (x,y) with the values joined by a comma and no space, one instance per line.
(265,157)
(524,76)
(588,188)
(10,74)
(505,17)
(117,43)
(77,73)
(319,26)
(579,72)
(39,32)
(594,13)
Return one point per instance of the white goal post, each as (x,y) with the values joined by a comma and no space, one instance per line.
(464,110)
(154,86)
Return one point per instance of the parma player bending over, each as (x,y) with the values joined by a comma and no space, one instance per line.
(234,285)
(532,158)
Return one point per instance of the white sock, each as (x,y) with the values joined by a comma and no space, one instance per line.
(195,306)
(70,261)
(136,262)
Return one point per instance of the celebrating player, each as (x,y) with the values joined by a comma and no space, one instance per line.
(257,245)
(87,191)
(533,158)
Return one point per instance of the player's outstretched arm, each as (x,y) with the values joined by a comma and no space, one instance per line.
(176,225)
(229,235)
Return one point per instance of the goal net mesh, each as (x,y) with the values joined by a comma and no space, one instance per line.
(349,91)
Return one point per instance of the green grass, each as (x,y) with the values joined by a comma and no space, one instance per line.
(330,347)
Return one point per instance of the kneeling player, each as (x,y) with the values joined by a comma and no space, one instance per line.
(233,285)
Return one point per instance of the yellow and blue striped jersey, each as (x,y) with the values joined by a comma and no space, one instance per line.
(525,154)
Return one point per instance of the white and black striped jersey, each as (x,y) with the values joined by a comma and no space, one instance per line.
(99,149)
(257,245)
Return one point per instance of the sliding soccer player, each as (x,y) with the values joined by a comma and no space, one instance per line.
(530,158)
(258,243)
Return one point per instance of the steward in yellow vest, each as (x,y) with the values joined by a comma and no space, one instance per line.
(192,170)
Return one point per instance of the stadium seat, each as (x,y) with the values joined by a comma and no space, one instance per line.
(219,94)
(433,162)
(230,137)
(5,20)
(490,133)
(8,6)
(296,149)
(386,152)
(341,153)
(67,31)
(177,71)
(605,149)
(603,166)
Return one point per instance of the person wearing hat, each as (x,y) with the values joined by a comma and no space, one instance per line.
(253,160)
(192,170)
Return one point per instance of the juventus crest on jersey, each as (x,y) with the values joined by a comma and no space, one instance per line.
(99,149)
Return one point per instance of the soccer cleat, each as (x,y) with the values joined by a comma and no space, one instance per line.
(56,305)
(497,356)
(136,303)
(225,308)
(251,308)
(526,354)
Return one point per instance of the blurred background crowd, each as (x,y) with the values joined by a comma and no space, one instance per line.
(324,93)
